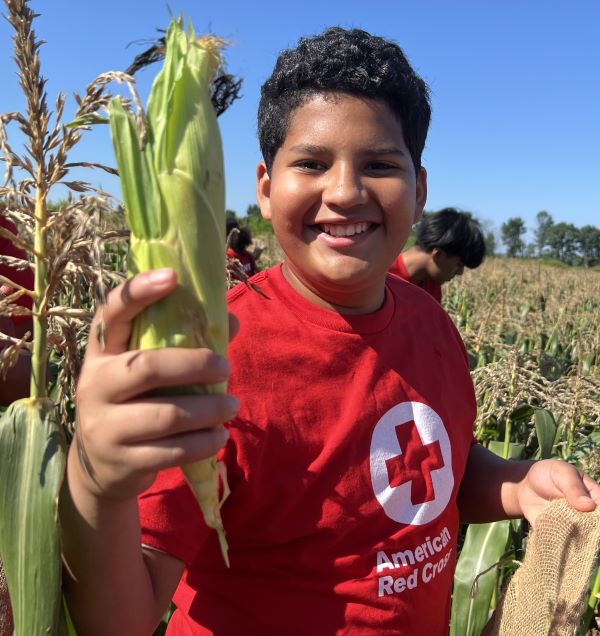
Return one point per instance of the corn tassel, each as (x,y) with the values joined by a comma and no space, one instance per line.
(174,192)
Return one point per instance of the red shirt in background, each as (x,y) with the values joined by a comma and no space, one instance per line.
(246,261)
(398,268)
(23,277)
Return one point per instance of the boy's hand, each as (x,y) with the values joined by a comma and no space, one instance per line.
(124,436)
(553,479)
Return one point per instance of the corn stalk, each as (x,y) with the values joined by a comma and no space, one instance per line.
(63,245)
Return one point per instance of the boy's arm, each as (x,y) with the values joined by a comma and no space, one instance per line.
(124,436)
(494,488)
(111,585)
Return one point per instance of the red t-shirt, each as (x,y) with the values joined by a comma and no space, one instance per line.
(23,277)
(344,464)
(246,261)
(398,268)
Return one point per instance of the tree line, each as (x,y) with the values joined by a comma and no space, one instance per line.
(562,241)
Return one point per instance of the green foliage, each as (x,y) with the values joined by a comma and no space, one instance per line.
(253,211)
(545,222)
(257,226)
(490,243)
(589,245)
(410,241)
(475,577)
(512,231)
(562,238)
(33,451)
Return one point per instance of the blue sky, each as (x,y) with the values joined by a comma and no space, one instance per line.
(515,87)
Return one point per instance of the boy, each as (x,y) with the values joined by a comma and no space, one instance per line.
(352,432)
(447,241)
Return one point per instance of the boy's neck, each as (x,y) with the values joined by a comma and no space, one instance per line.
(415,262)
(355,304)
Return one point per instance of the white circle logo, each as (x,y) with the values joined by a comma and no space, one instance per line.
(411,464)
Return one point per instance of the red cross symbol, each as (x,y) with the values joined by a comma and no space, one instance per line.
(415,464)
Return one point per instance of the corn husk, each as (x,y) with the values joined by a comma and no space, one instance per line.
(172,179)
(33,458)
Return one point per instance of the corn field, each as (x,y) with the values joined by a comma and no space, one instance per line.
(533,337)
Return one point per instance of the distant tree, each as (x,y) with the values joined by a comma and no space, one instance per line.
(544,223)
(529,251)
(253,211)
(563,240)
(589,245)
(489,236)
(490,242)
(511,232)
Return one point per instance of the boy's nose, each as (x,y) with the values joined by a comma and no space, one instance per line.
(344,189)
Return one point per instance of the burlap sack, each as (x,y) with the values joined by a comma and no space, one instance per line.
(547,595)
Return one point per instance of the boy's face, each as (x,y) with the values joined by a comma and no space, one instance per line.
(342,196)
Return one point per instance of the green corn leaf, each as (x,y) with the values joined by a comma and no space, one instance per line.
(33,450)
(521,412)
(515,449)
(91,119)
(475,578)
(476,574)
(545,430)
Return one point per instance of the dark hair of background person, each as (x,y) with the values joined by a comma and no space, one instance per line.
(351,62)
(240,240)
(455,232)
(231,224)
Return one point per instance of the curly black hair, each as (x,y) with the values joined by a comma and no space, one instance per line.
(455,232)
(353,62)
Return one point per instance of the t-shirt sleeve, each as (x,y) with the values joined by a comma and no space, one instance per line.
(170,518)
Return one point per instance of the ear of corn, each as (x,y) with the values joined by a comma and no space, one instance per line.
(33,455)
(174,193)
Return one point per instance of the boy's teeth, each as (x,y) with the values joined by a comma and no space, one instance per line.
(344,230)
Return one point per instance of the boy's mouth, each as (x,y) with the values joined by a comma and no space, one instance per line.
(348,229)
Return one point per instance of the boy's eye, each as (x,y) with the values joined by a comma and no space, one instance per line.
(310,165)
(379,166)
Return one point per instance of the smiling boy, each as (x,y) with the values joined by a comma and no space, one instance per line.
(350,452)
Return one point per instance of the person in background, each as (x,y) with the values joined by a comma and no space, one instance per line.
(238,241)
(16,383)
(447,241)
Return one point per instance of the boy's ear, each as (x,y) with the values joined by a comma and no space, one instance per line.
(421,194)
(263,190)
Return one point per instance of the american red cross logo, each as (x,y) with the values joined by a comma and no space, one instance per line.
(415,464)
